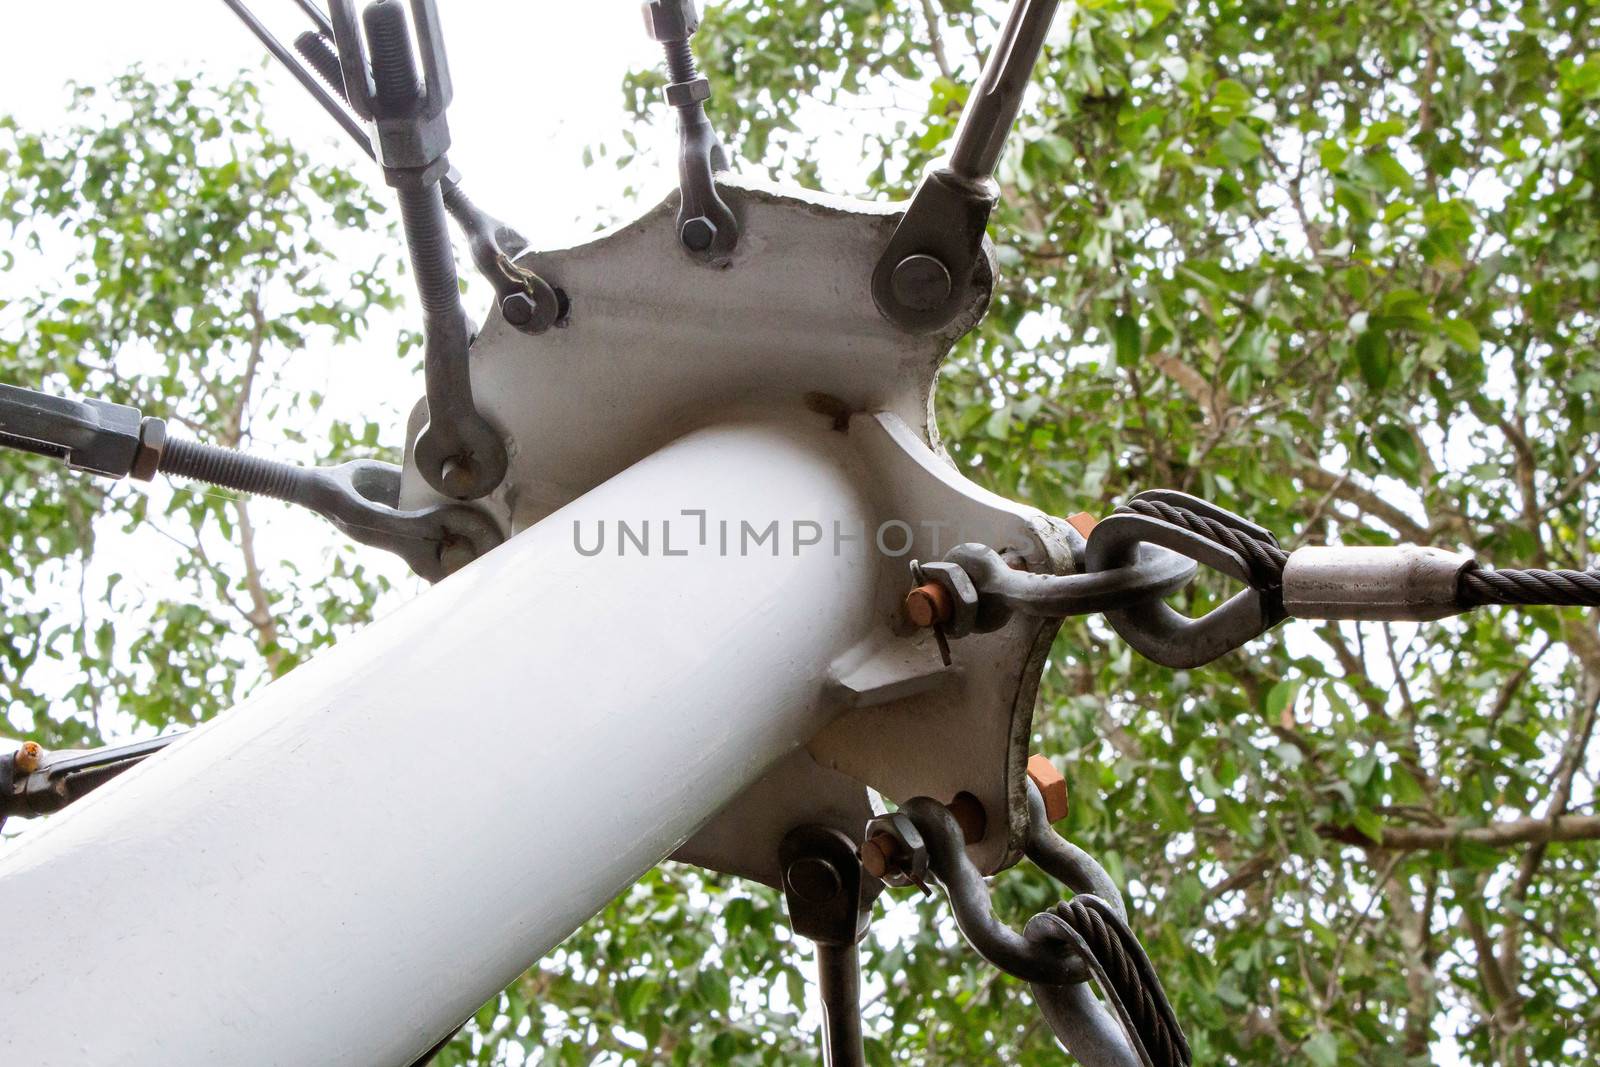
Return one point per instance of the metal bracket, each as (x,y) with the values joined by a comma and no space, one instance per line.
(830,901)
(59,778)
(707,226)
(926,275)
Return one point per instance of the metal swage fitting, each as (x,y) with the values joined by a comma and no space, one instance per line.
(1477,586)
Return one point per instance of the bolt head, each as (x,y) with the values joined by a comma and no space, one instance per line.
(671,20)
(929,605)
(920,282)
(813,880)
(524,312)
(27,757)
(698,233)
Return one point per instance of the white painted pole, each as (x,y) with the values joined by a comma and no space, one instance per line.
(352,861)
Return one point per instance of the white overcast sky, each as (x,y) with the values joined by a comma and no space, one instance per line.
(536,81)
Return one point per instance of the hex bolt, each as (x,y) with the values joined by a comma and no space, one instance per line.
(920,282)
(519,309)
(27,758)
(929,605)
(813,879)
(1052,786)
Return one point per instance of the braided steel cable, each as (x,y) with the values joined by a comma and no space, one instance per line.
(1479,587)
(1529,586)
(1128,969)
(1266,560)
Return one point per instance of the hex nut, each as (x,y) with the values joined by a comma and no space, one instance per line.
(1051,784)
(683,94)
(152,443)
(671,20)
(698,233)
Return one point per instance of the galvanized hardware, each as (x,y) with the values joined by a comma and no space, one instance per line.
(459,453)
(892,850)
(527,301)
(360,497)
(1061,859)
(308,81)
(927,274)
(969,900)
(1051,786)
(829,904)
(406,117)
(1153,627)
(1094,932)
(942,598)
(88,435)
(1148,574)
(1393,582)
(707,227)
(36,782)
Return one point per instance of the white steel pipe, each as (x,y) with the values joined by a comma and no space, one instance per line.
(351,862)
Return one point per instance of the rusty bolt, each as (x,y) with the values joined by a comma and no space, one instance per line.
(929,605)
(970,816)
(1083,522)
(28,757)
(1052,786)
(877,855)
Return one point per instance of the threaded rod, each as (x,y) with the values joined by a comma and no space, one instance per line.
(231,469)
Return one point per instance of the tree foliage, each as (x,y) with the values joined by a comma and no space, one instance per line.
(1331,266)
(190,254)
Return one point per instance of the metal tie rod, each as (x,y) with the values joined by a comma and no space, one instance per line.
(307,78)
(992,108)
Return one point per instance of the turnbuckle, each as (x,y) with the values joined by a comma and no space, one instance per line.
(1153,627)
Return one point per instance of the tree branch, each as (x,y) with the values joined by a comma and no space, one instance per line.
(1511,832)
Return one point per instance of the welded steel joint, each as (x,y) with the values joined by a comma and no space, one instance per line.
(707,227)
